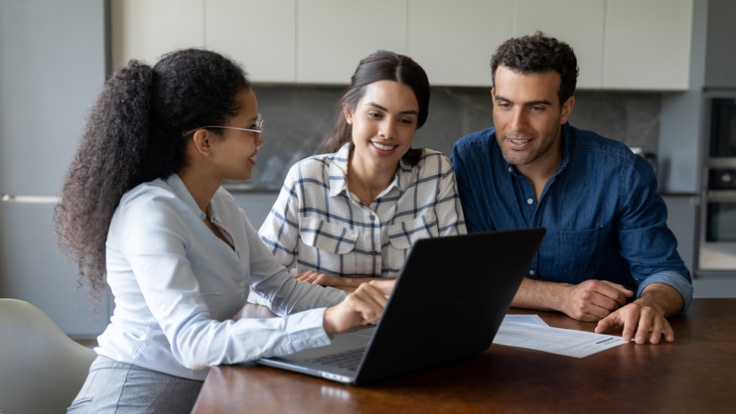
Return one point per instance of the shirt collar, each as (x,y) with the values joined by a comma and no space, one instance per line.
(338,170)
(182,192)
(338,174)
(566,137)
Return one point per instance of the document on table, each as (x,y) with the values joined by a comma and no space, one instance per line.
(530,332)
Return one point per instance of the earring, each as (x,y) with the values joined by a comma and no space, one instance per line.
(350,121)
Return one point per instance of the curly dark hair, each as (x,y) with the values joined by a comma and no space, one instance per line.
(378,66)
(539,53)
(134,135)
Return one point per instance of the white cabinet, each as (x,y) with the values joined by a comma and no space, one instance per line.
(333,35)
(454,40)
(260,35)
(620,44)
(647,44)
(578,23)
(145,29)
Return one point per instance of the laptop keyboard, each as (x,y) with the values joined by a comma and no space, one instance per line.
(346,360)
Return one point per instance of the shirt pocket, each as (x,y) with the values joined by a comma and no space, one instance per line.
(327,246)
(576,254)
(328,236)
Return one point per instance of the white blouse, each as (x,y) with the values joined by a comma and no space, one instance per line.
(176,285)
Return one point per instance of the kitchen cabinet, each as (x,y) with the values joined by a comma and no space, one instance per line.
(629,44)
(620,45)
(720,60)
(260,35)
(684,121)
(579,23)
(613,41)
(681,219)
(647,44)
(454,40)
(333,35)
(145,30)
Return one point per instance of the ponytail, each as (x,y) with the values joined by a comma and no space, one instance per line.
(104,168)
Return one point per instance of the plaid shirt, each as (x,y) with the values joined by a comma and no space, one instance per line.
(318,225)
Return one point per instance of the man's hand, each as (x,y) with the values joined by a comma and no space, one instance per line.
(645,320)
(603,301)
(593,300)
(362,307)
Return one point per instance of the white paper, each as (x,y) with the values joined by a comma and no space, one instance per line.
(530,334)
(532,319)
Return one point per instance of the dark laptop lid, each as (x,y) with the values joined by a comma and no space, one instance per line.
(450,300)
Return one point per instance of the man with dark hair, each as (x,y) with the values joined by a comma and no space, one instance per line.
(608,255)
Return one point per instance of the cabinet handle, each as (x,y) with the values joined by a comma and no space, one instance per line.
(10,198)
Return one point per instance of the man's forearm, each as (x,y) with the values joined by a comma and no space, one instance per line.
(664,298)
(540,295)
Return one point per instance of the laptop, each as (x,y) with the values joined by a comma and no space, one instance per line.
(448,303)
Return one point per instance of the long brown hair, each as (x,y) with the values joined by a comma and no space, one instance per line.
(381,65)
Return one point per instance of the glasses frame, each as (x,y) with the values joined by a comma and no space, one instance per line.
(260,124)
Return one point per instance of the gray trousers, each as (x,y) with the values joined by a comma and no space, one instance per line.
(120,388)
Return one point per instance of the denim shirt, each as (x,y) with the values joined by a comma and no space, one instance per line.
(603,216)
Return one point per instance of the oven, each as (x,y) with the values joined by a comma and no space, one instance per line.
(717,249)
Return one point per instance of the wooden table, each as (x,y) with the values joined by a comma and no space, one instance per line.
(695,374)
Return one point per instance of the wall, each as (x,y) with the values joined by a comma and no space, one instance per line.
(298,118)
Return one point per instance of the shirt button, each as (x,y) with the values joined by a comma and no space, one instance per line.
(374,253)
(511,169)
(531,273)
(242,284)
(530,201)
(371,217)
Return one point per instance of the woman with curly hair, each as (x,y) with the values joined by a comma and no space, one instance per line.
(142,210)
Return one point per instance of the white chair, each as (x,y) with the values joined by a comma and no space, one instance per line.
(41,369)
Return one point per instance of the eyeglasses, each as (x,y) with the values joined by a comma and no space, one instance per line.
(260,124)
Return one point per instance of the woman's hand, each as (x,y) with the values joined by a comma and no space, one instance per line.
(362,307)
(347,284)
(323,279)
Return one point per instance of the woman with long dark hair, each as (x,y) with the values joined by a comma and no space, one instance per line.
(350,214)
(143,211)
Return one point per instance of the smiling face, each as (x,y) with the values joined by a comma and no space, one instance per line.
(528,118)
(235,153)
(383,125)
